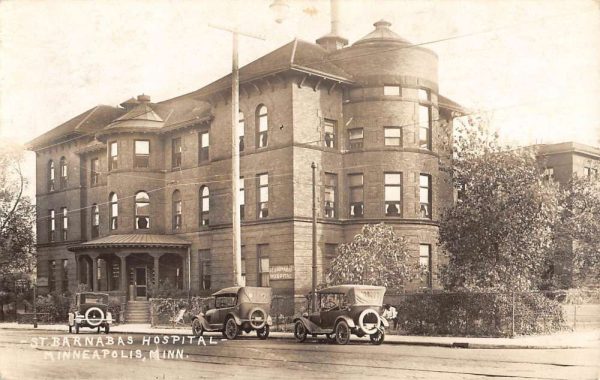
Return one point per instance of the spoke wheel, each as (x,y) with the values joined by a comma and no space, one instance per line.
(300,331)
(378,337)
(342,333)
(197,328)
(231,329)
(263,333)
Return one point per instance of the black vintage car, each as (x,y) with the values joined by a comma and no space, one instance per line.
(91,310)
(344,310)
(237,309)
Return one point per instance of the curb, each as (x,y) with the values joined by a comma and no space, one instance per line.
(456,344)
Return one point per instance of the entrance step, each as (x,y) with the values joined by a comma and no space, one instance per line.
(138,312)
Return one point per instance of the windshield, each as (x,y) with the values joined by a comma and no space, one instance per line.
(225,301)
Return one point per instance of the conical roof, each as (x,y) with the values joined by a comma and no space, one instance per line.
(382,33)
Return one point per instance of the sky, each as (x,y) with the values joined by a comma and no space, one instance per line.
(533,66)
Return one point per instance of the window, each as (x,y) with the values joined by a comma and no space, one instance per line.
(142,154)
(63,173)
(330,210)
(425,262)
(425,196)
(176,152)
(51,278)
(204,143)
(548,174)
(142,211)
(65,275)
(51,185)
(393,136)
(263,195)
(95,221)
(241,131)
(95,171)
(262,125)
(391,90)
(113,159)
(355,138)
(51,225)
(424,126)
(204,205)
(590,172)
(424,95)
(65,223)
(177,216)
(205,268)
(242,197)
(330,132)
(393,194)
(355,182)
(263,264)
(243,272)
(113,211)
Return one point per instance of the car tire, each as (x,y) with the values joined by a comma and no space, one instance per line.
(107,328)
(263,333)
(197,328)
(378,337)
(231,329)
(76,328)
(342,333)
(300,332)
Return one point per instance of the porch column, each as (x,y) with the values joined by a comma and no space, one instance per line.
(94,257)
(156,256)
(123,272)
(184,265)
(77,276)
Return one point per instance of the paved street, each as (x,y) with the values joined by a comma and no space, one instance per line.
(249,358)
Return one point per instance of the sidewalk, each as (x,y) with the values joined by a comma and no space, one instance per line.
(562,340)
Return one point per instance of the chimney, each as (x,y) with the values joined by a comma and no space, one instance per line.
(143,98)
(332,41)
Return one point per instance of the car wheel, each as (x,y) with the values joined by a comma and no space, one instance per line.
(107,328)
(330,338)
(197,328)
(231,329)
(342,333)
(263,333)
(300,332)
(378,337)
(76,328)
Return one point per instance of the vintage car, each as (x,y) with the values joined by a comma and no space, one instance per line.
(234,310)
(91,310)
(344,310)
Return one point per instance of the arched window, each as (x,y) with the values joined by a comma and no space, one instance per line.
(241,128)
(63,172)
(142,211)
(95,221)
(262,126)
(113,211)
(204,205)
(51,186)
(177,217)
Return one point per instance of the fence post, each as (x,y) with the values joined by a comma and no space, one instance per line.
(512,324)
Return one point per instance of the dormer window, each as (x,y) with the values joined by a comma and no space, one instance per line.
(391,90)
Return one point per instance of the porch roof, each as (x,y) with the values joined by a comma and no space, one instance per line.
(132,240)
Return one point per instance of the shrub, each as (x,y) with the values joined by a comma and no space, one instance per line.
(56,305)
(114,307)
(478,314)
(165,289)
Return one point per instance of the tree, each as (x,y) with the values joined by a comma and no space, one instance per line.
(17,218)
(579,228)
(376,256)
(498,235)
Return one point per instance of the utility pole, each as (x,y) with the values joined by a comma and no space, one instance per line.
(235,154)
(35,324)
(314,235)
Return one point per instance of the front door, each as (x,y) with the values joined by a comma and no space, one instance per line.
(140,282)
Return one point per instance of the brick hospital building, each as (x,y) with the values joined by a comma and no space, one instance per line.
(141,192)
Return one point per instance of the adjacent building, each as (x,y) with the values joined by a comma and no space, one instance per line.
(140,193)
